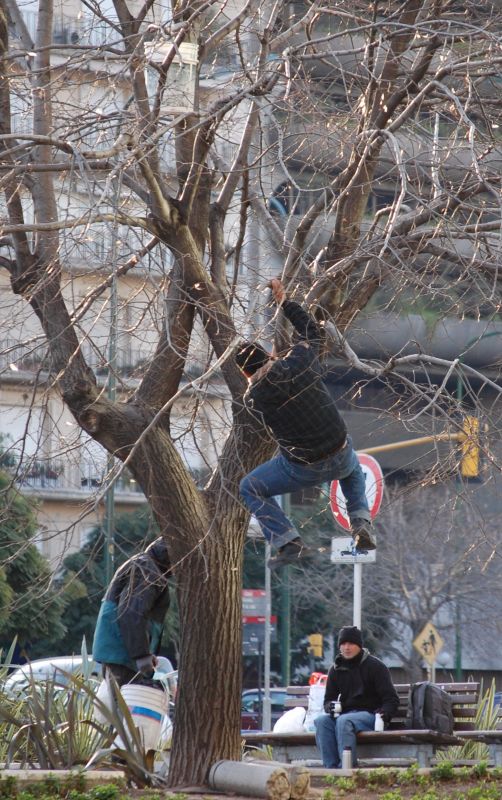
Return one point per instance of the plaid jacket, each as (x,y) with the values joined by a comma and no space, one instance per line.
(292,399)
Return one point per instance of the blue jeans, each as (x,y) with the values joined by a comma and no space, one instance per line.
(281,476)
(333,735)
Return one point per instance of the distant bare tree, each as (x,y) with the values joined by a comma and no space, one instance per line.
(439,557)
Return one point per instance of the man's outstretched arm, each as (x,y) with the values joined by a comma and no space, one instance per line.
(304,324)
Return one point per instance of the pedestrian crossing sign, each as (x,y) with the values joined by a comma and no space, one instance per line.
(428,643)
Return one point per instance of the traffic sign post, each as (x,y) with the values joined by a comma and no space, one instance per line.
(429,644)
(254,621)
(258,629)
(343,550)
(373,476)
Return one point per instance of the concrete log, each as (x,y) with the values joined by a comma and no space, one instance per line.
(253,780)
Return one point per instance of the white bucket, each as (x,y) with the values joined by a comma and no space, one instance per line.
(147,707)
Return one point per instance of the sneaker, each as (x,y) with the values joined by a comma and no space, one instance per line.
(292,553)
(362,535)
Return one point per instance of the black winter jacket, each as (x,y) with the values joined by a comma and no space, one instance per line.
(294,402)
(364,683)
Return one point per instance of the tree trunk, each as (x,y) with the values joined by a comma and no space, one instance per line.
(209,594)
(205,532)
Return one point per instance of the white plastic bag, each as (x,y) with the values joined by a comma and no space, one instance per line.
(291,721)
(316,699)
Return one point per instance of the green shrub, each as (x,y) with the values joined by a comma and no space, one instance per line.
(342,784)
(109,791)
(480,770)
(443,771)
(74,782)
(483,792)
(410,775)
(75,794)
(8,788)
(52,789)
(430,794)
(382,776)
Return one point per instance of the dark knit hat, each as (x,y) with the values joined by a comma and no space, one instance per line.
(350,634)
(251,357)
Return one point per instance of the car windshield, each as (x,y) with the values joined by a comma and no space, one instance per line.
(251,701)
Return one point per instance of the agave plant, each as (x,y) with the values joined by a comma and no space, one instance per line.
(47,724)
(8,704)
(51,726)
(486,719)
(54,726)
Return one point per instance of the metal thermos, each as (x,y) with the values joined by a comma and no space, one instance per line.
(347,758)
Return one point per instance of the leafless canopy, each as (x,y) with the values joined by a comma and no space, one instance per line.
(175,161)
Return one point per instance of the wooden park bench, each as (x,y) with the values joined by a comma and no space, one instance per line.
(397,742)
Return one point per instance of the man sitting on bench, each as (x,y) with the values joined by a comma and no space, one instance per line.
(359,686)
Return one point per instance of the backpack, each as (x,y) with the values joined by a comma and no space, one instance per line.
(429,707)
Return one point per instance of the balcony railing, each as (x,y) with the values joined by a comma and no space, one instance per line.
(15,356)
(70,30)
(51,475)
(18,356)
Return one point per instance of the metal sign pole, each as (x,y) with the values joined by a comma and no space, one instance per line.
(343,550)
(266,715)
(358,592)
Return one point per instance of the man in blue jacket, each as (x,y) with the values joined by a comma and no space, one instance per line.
(129,627)
(363,686)
(289,397)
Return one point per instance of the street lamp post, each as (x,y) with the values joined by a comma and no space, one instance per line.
(112,393)
(286,612)
(109,522)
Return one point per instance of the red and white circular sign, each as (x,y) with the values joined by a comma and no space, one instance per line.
(374,491)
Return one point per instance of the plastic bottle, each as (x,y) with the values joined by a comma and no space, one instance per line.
(347,758)
(379,724)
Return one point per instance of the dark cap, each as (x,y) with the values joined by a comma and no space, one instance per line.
(251,357)
(350,634)
(158,551)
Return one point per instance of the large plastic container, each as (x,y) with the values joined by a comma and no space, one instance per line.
(147,707)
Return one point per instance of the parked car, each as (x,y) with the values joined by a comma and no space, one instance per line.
(45,669)
(251,708)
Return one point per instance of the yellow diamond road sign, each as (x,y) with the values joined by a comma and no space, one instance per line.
(428,643)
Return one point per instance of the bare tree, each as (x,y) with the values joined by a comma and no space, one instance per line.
(436,560)
(333,104)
